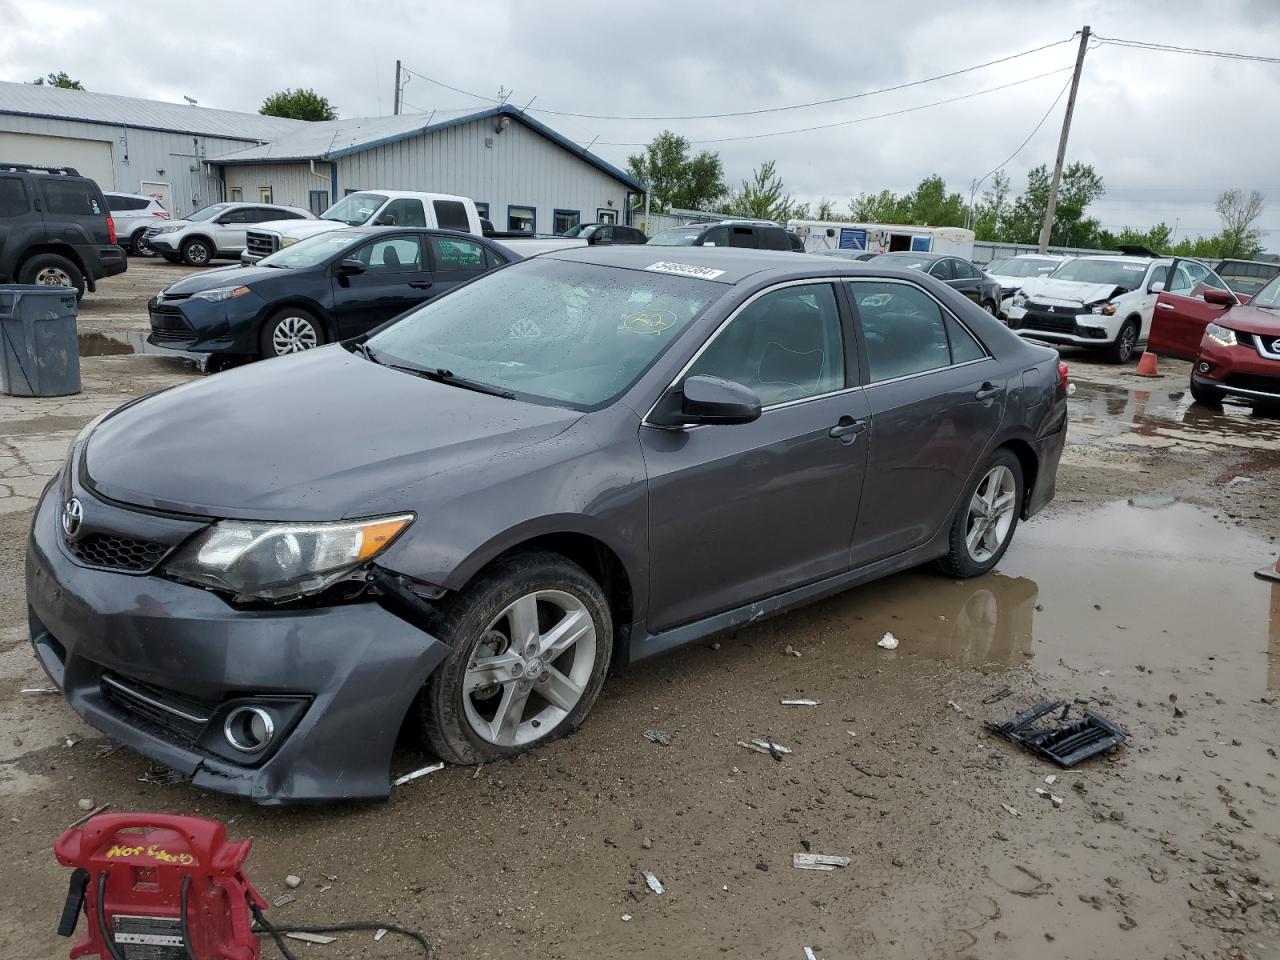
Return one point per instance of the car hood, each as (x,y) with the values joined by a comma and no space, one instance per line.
(316,436)
(1252,320)
(1067,291)
(300,228)
(219,277)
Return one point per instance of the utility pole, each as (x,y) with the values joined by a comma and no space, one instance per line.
(1049,210)
(396,108)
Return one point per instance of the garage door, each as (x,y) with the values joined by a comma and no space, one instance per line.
(91,157)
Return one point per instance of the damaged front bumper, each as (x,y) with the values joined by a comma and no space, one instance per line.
(160,666)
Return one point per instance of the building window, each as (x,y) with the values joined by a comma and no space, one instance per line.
(605,215)
(264,195)
(565,220)
(482,210)
(237,194)
(522,219)
(318,201)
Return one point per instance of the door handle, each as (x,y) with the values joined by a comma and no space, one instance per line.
(986,392)
(847,429)
(420,284)
(1164,306)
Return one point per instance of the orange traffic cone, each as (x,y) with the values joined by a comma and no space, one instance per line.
(1147,365)
(1269,573)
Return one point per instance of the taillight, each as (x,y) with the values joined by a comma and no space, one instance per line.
(111,230)
(1064,380)
(160,213)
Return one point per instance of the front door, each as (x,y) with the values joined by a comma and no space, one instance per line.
(395,278)
(936,398)
(966,279)
(231,228)
(1181,313)
(455,261)
(743,512)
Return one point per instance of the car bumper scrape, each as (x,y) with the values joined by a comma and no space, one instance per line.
(160,666)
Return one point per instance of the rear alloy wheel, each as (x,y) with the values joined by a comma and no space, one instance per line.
(531,643)
(1121,349)
(197,252)
(291,330)
(141,246)
(983,526)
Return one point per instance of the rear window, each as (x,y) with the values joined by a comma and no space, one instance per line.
(451,215)
(76,198)
(126,203)
(13,197)
(774,238)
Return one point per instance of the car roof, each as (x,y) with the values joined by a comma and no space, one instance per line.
(734,263)
(395,194)
(1122,258)
(121,193)
(926,257)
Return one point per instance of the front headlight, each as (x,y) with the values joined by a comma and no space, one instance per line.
(1019,299)
(280,561)
(172,228)
(1105,309)
(1223,335)
(218,294)
(288,241)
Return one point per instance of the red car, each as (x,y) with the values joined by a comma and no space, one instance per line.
(1235,348)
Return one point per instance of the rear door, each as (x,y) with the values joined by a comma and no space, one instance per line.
(966,279)
(1181,313)
(395,278)
(453,261)
(74,211)
(20,221)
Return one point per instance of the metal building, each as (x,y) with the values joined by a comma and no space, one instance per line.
(128,144)
(522,174)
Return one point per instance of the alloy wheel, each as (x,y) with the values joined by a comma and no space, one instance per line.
(991,513)
(52,277)
(530,668)
(293,335)
(197,253)
(142,247)
(1128,339)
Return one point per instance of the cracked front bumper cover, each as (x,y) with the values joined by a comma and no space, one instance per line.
(358,666)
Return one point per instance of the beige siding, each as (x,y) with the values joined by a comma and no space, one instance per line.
(291,183)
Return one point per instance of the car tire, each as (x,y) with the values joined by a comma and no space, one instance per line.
(139,246)
(1205,396)
(1125,345)
(197,252)
(171,257)
(52,270)
(465,720)
(290,330)
(991,308)
(983,526)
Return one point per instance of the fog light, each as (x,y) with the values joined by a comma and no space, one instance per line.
(1204,367)
(249,729)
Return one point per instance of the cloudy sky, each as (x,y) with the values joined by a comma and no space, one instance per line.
(1166,131)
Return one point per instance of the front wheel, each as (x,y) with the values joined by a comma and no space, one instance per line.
(290,330)
(1123,346)
(990,307)
(983,526)
(197,252)
(531,642)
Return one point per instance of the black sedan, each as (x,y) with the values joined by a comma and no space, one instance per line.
(325,288)
(956,272)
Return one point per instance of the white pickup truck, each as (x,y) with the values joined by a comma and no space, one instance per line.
(390,208)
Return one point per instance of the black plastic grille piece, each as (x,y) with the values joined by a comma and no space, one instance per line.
(117,553)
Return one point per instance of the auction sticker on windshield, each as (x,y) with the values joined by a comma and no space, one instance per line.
(684,270)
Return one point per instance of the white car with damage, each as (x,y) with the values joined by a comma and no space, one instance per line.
(1012,272)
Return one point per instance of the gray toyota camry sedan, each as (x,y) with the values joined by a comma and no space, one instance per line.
(459,522)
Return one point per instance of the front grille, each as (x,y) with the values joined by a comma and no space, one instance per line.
(153,230)
(109,552)
(176,715)
(261,244)
(1253,381)
(1038,319)
(167,322)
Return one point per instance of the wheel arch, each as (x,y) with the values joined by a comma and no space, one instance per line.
(1030,464)
(313,308)
(213,247)
(57,250)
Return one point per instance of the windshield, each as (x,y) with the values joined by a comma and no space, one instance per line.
(310,252)
(574,334)
(1113,273)
(355,209)
(1268,296)
(581,230)
(676,237)
(1016,267)
(208,213)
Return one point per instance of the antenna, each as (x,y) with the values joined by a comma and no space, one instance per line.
(191,100)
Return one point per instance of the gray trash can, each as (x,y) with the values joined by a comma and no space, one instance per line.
(39,348)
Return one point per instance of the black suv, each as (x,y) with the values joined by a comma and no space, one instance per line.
(752,234)
(55,229)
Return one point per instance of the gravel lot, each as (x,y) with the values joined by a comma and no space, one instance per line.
(1133,592)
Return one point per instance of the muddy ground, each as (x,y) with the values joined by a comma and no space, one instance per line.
(1132,594)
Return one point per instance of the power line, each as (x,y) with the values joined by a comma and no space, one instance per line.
(845,123)
(762,110)
(1034,131)
(1195,51)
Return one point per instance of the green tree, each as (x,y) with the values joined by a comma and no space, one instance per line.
(1080,186)
(929,203)
(59,79)
(763,197)
(826,210)
(991,211)
(1155,238)
(298,104)
(1239,212)
(675,179)
(882,207)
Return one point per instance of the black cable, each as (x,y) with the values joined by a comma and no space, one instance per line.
(101,914)
(761,110)
(1195,51)
(1034,131)
(277,933)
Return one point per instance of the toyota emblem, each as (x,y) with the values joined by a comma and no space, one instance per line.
(72,514)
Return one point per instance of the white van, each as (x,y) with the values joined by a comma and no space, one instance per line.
(882,237)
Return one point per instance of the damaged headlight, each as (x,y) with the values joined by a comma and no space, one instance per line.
(1223,335)
(218,294)
(1019,299)
(280,561)
(1104,309)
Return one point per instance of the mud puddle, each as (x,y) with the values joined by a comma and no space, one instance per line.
(123,343)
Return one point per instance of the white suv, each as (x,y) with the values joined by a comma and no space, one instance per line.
(216,232)
(133,214)
(1103,302)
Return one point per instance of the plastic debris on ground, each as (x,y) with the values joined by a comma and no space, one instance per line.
(72,740)
(311,937)
(1045,794)
(626,918)
(1010,810)
(415,774)
(801,702)
(1051,779)
(39,690)
(888,641)
(1064,742)
(817,861)
(281,900)
(766,746)
(163,776)
(659,737)
(379,933)
(809,954)
(654,883)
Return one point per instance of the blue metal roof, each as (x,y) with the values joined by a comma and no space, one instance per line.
(330,140)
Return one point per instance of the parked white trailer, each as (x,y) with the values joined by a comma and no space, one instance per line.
(882,237)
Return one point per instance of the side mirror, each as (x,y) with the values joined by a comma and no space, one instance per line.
(351,265)
(709,400)
(1219,298)
(1157,286)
